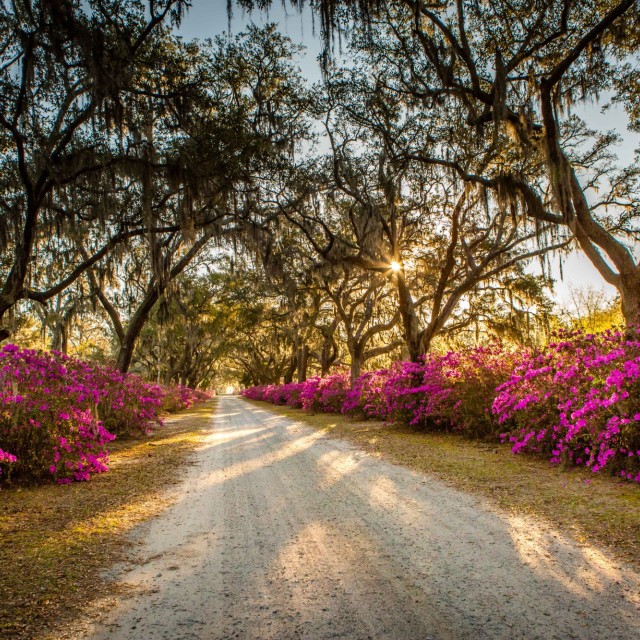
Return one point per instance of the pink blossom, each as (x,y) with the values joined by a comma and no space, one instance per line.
(569,401)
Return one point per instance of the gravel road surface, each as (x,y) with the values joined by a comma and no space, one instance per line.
(280,532)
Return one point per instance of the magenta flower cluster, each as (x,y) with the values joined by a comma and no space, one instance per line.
(6,459)
(577,401)
(58,414)
(179,397)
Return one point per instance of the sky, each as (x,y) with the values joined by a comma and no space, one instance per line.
(208,18)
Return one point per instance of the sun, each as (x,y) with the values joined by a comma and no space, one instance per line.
(395,266)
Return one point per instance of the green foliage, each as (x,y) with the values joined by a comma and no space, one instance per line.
(167,203)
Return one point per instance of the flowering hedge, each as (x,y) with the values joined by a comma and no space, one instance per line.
(576,402)
(315,394)
(58,414)
(174,399)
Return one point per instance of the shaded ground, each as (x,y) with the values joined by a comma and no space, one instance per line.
(280,532)
(595,508)
(55,540)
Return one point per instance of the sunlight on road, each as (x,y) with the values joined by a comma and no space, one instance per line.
(334,466)
(590,570)
(223,436)
(247,465)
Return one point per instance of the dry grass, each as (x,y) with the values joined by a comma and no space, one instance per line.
(593,508)
(56,540)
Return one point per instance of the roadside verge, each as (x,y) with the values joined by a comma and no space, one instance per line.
(56,540)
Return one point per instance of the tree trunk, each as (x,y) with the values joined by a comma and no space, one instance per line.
(630,299)
(409,319)
(357,360)
(328,355)
(192,381)
(137,322)
(125,354)
(154,291)
(329,352)
(291,369)
(303,360)
(60,340)
(13,288)
(324,359)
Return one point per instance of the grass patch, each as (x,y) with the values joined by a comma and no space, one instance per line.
(594,508)
(56,540)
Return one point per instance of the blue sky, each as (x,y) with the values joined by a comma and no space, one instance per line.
(208,18)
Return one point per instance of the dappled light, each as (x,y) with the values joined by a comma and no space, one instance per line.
(589,570)
(306,532)
(411,228)
(335,467)
(251,439)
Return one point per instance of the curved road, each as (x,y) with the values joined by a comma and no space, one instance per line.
(280,532)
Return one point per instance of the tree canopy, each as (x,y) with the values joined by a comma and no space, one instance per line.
(197,211)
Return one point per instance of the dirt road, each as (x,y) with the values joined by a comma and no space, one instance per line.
(282,533)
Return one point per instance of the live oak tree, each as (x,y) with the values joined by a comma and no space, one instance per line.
(287,324)
(131,157)
(330,348)
(366,312)
(383,209)
(209,121)
(68,74)
(516,70)
(130,305)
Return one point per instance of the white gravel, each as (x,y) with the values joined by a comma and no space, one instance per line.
(280,532)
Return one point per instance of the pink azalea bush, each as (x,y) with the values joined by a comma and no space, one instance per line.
(326,394)
(315,394)
(174,399)
(367,395)
(58,414)
(576,402)
(278,394)
(451,391)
